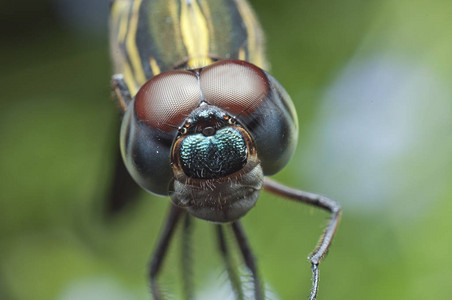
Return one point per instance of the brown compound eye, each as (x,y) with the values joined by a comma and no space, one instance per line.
(236,86)
(166,100)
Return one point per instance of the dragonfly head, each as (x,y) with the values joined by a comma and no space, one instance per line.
(207,137)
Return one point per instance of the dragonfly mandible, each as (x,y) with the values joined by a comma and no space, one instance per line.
(204,123)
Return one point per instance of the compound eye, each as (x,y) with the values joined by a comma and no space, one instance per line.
(166,99)
(235,86)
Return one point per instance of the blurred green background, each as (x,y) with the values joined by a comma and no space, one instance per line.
(371,81)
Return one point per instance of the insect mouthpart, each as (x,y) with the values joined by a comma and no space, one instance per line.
(211,147)
(216,170)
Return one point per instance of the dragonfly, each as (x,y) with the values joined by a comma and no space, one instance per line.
(204,123)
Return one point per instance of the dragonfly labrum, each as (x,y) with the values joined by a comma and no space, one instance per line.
(204,123)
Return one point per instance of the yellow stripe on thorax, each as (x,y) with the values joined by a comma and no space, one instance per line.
(195,34)
(154,66)
(242,54)
(255,36)
(120,19)
(131,45)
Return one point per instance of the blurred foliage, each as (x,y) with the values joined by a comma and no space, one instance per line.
(371,81)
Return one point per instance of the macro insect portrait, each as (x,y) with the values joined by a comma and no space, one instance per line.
(204,123)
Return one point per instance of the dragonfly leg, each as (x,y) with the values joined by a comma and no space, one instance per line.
(234,278)
(186,259)
(248,257)
(325,240)
(158,256)
(121,90)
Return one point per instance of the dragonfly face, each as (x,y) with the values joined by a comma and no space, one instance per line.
(207,137)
